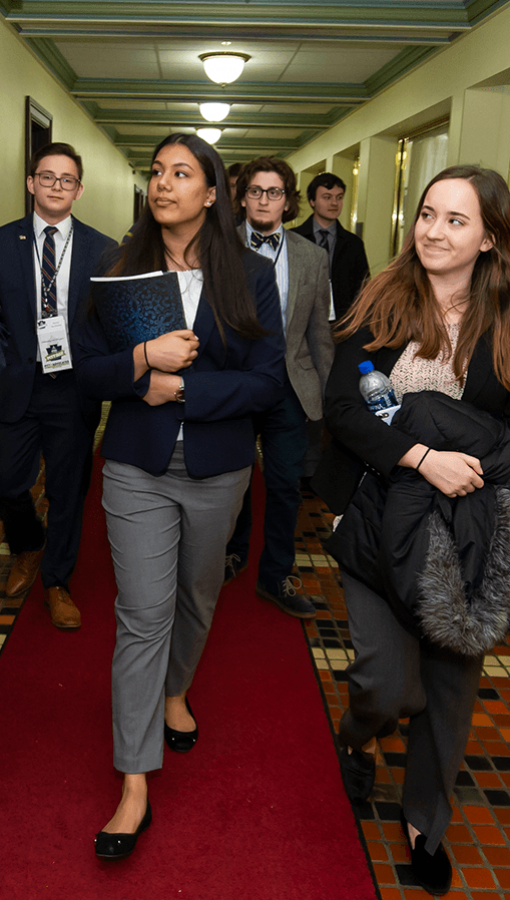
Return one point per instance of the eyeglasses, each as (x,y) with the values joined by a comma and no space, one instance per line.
(67,182)
(254,192)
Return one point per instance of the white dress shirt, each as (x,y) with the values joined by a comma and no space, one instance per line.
(281,267)
(60,237)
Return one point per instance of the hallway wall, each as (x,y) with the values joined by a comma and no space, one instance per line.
(467,81)
(107,202)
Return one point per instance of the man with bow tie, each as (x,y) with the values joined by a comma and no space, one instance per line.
(267,190)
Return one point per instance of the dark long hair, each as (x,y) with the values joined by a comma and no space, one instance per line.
(399,305)
(217,245)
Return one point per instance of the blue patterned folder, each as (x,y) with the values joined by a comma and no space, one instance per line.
(136,309)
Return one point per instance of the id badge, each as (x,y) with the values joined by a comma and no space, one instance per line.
(53,344)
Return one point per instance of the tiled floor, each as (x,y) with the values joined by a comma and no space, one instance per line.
(478,840)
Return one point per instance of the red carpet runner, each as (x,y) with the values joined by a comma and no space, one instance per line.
(255,812)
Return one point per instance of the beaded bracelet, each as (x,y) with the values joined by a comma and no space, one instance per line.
(423,457)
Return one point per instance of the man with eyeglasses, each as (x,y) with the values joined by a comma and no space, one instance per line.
(46,261)
(267,190)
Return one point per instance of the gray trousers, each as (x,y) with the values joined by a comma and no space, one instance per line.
(395,675)
(167,536)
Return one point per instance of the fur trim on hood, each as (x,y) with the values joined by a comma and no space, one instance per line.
(469,626)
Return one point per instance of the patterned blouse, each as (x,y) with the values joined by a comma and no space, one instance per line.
(412,373)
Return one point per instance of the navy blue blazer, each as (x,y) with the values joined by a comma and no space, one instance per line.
(223,388)
(18,305)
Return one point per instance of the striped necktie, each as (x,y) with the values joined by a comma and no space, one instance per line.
(49,286)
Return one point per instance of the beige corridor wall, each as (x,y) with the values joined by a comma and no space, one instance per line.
(479,124)
(107,202)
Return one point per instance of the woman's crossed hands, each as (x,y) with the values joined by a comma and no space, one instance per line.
(172,351)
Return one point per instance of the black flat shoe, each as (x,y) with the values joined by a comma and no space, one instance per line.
(181,741)
(433,872)
(119,845)
(358,773)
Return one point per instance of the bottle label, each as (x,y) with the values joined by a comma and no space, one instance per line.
(383,402)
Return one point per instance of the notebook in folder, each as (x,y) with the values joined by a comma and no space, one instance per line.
(138,308)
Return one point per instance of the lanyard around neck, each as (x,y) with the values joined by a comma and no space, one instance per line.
(46,289)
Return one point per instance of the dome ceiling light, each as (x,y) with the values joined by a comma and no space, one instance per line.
(211,135)
(214,112)
(224,67)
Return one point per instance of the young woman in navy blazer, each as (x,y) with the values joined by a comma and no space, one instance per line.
(179,450)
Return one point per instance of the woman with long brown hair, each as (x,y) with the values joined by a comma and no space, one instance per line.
(179,446)
(436,320)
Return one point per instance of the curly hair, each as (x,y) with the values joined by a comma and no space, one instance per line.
(270,164)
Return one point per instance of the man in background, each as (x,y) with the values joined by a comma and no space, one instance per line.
(266,190)
(46,261)
(348,264)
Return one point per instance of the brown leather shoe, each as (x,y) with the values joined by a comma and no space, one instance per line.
(64,614)
(24,572)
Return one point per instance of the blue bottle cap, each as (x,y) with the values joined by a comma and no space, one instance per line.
(365,367)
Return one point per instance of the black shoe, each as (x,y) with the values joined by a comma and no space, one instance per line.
(181,741)
(358,774)
(287,598)
(234,565)
(118,845)
(433,872)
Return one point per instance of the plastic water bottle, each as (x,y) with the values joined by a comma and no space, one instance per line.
(376,390)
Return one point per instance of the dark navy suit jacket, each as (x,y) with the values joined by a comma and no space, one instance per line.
(223,388)
(349,267)
(18,306)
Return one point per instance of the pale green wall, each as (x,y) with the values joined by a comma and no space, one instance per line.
(449,82)
(107,202)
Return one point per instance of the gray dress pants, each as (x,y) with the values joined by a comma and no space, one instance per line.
(395,675)
(167,536)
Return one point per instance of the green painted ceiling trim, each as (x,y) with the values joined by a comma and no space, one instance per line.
(233,120)
(480,9)
(399,65)
(138,143)
(447,15)
(195,92)
(53,60)
(439,36)
(241,146)
(97,7)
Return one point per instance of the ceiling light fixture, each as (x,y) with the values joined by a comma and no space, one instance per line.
(211,135)
(224,68)
(215,112)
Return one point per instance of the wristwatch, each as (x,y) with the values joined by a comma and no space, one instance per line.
(179,393)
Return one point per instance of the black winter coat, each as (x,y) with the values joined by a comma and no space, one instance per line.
(442,563)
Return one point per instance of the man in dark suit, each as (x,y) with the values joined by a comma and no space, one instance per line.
(348,263)
(46,260)
(266,190)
